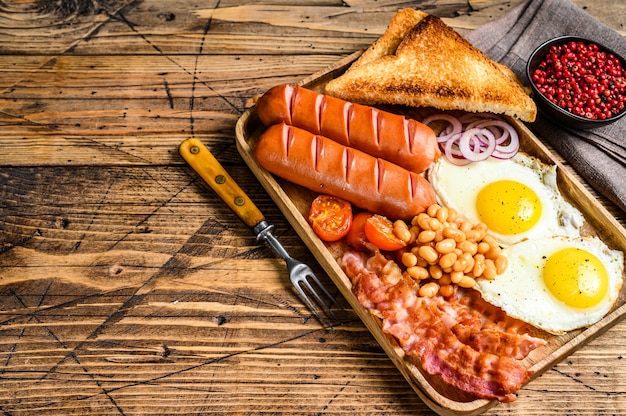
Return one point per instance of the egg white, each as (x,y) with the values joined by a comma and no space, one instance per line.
(521,292)
(458,186)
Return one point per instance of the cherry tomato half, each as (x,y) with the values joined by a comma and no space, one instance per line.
(330,217)
(356,237)
(379,231)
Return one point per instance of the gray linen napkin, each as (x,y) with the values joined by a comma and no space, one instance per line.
(598,155)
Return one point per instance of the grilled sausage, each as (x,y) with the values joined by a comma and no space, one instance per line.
(403,141)
(327,167)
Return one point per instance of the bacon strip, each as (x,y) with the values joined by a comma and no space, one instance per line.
(462,345)
(485,327)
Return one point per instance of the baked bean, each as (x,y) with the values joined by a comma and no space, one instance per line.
(442,214)
(470,265)
(454,233)
(473,235)
(439,235)
(450,231)
(467,282)
(409,259)
(494,251)
(456,276)
(501,263)
(445,246)
(429,254)
(481,227)
(418,273)
(434,224)
(401,230)
(432,210)
(479,265)
(447,260)
(446,291)
(465,226)
(469,259)
(468,247)
(462,262)
(483,247)
(423,220)
(489,239)
(467,256)
(429,290)
(448,249)
(453,215)
(426,236)
(445,279)
(435,271)
(420,261)
(490,270)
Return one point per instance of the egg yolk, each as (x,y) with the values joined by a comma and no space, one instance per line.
(508,207)
(576,277)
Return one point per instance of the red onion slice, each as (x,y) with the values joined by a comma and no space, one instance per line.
(484,144)
(475,137)
(455,126)
(452,153)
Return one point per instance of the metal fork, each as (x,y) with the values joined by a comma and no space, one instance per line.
(302,277)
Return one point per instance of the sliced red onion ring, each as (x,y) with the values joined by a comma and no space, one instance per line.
(455,126)
(475,137)
(484,144)
(452,153)
(513,146)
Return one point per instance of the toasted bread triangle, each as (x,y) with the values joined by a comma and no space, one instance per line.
(400,25)
(432,66)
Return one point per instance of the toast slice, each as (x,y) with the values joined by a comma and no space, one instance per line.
(431,66)
(399,26)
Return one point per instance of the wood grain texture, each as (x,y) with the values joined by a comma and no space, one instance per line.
(126,286)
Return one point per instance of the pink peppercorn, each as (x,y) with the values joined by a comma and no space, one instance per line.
(582,79)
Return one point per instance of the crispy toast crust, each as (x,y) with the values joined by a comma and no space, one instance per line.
(432,66)
(400,25)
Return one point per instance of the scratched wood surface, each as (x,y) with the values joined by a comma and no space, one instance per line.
(126,287)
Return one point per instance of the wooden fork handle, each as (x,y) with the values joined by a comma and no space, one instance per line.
(213,173)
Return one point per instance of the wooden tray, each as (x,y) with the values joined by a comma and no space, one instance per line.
(294,202)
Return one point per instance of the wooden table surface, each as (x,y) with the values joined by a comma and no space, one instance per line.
(126,286)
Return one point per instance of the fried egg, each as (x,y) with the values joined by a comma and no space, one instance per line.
(558,283)
(516,198)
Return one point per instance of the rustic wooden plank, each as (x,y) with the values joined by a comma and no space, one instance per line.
(65,78)
(125,115)
(191,296)
(55,27)
(133,28)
